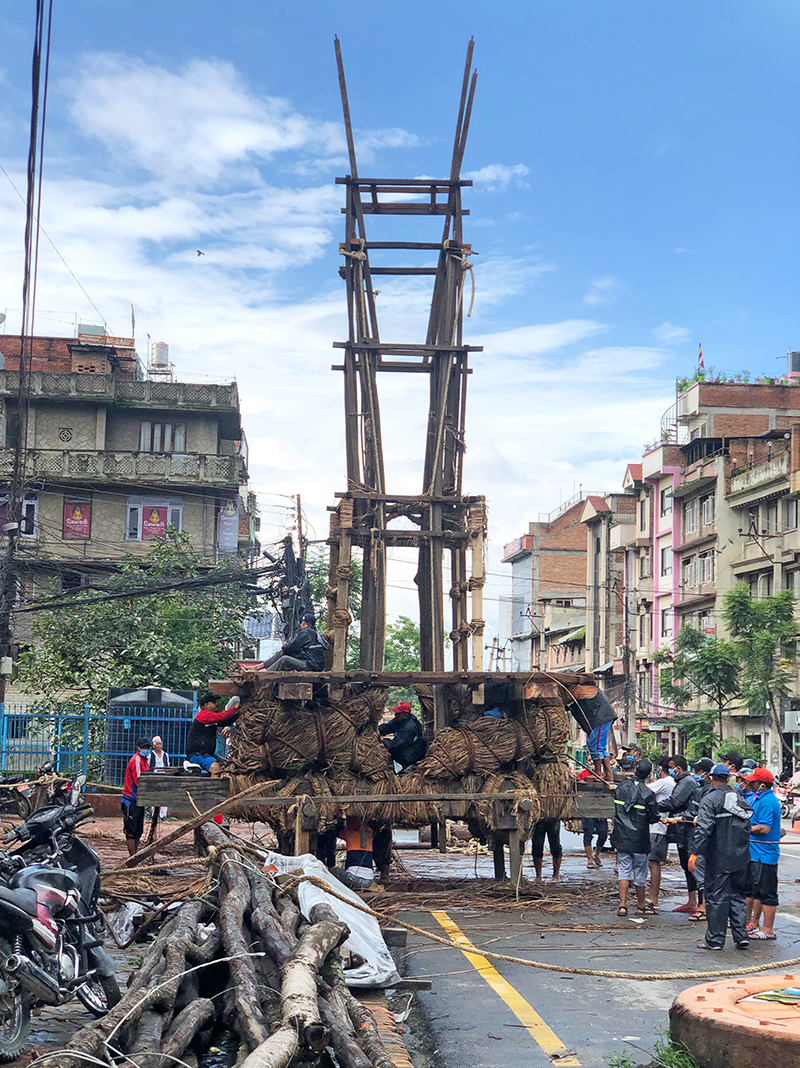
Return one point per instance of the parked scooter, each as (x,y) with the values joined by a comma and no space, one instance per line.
(60,791)
(15,796)
(50,930)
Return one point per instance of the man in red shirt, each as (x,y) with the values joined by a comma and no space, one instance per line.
(201,742)
(133,814)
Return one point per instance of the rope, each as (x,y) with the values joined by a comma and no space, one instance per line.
(649,977)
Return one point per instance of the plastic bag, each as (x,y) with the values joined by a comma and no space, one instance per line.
(365,938)
(120,923)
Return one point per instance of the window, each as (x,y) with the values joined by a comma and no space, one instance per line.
(766,584)
(666,622)
(791,580)
(666,561)
(642,631)
(706,567)
(162,437)
(643,514)
(790,514)
(707,510)
(688,572)
(645,566)
(705,622)
(28,518)
(752,582)
(771,517)
(690,517)
(149,518)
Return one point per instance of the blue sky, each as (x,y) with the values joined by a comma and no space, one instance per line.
(635,168)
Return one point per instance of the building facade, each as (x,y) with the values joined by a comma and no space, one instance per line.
(113,459)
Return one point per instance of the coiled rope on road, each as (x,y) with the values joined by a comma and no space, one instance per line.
(721,973)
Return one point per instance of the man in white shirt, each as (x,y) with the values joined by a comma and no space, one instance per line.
(662,787)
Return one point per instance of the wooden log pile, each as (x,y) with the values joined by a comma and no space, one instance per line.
(242,959)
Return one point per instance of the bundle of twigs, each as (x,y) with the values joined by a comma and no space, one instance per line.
(556,786)
(241,959)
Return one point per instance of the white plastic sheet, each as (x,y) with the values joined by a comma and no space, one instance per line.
(365,937)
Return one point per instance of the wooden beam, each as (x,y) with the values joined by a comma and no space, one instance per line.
(410,678)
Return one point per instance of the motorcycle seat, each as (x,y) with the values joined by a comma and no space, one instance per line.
(21,898)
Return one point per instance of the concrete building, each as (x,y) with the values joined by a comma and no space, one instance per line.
(113,459)
(548,581)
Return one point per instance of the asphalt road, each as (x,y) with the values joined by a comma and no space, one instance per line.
(509,1014)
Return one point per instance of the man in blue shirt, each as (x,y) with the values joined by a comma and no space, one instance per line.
(765,836)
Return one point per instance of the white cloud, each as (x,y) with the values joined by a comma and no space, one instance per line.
(500,176)
(537,339)
(604,290)
(668,333)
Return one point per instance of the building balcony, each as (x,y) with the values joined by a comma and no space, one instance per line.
(760,476)
(140,468)
(622,536)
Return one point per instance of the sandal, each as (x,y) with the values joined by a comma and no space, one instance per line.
(697,917)
(759,936)
(648,910)
(622,911)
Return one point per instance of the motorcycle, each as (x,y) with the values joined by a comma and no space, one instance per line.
(15,796)
(51,932)
(60,791)
(782,795)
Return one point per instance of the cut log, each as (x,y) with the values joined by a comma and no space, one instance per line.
(343,1037)
(248,1017)
(276,1052)
(299,987)
(183,1028)
(266,921)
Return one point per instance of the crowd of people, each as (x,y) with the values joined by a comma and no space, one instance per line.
(725,822)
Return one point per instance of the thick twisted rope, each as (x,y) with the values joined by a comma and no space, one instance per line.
(564,968)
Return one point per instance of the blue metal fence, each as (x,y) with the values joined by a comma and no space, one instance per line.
(79,738)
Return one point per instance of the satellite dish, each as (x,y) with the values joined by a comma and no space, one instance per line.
(2,317)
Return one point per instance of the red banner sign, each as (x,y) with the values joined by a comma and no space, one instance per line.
(77,521)
(154,521)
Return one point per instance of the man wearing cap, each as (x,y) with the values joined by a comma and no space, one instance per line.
(765,836)
(635,808)
(305,652)
(722,836)
(201,742)
(407,745)
(594,714)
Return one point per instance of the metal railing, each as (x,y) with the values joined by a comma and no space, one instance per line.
(581,495)
(145,467)
(79,738)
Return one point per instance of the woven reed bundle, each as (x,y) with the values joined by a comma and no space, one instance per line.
(418,813)
(556,787)
(369,757)
(549,726)
(485,812)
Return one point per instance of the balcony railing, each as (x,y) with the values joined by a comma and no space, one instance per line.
(66,384)
(758,474)
(145,467)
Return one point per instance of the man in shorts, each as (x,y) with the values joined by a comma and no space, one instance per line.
(765,836)
(201,744)
(133,814)
(635,808)
(595,715)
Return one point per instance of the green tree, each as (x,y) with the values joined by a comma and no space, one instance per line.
(764,633)
(170,637)
(402,654)
(700,670)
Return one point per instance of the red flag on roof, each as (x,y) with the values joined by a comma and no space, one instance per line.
(700,359)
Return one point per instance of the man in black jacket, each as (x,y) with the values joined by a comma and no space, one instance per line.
(408,745)
(305,652)
(722,836)
(682,806)
(635,808)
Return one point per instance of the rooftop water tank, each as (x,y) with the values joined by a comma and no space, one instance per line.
(159,356)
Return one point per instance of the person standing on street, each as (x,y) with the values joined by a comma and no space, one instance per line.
(722,836)
(765,837)
(158,760)
(702,769)
(681,805)
(662,787)
(635,808)
(133,814)
(590,828)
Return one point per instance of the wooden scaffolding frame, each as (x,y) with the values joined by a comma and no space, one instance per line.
(444,520)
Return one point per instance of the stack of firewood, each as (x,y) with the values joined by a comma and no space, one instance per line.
(242,959)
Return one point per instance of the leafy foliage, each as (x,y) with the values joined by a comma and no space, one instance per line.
(700,669)
(170,638)
(402,654)
(317,571)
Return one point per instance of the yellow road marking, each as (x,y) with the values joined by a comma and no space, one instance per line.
(524,1012)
